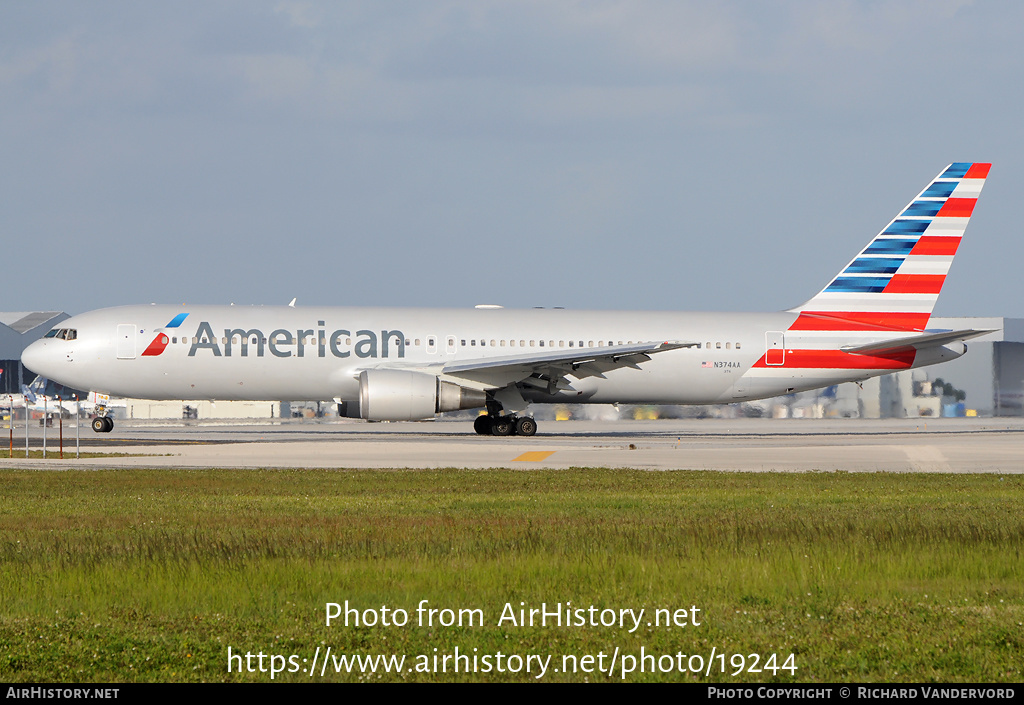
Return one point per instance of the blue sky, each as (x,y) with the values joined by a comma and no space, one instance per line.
(623,155)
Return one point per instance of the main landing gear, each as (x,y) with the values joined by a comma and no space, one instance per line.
(504,425)
(103,424)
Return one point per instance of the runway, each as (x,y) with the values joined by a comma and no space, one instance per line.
(750,445)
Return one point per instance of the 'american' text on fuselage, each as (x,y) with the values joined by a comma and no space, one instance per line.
(279,342)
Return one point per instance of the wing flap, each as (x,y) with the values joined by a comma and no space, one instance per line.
(556,365)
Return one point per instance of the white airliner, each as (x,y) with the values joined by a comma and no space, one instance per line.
(408,363)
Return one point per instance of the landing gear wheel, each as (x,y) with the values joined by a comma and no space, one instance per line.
(482,425)
(501,426)
(525,426)
(109,422)
(99,424)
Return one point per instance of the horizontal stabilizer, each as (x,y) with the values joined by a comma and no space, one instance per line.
(916,342)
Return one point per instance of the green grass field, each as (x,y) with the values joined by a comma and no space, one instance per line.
(151,575)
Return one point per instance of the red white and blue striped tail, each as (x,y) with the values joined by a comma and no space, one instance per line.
(894,282)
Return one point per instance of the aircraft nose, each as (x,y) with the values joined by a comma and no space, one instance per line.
(38,357)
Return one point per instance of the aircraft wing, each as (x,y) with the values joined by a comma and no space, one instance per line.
(916,342)
(549,369)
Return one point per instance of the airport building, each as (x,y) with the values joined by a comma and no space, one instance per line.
(992,372)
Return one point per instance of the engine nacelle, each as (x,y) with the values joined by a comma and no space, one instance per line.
(401,395)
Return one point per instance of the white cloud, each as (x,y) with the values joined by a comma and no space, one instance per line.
(301,14)
(54,65)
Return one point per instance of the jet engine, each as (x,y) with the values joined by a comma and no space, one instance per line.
(401,395)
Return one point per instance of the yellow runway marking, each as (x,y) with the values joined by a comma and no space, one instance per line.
(534,456)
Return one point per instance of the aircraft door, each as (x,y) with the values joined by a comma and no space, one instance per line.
(775,348)
(125,341)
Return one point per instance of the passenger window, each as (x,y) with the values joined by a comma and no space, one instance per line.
(551,343)
(570,343)
(174,340)
(728,346)
(522,343)
(463,343)
(483,343)
(737,346)
(561,343)
(533,343)
(708,345)
(718,346)
(492,343)
(512,343)
(503,343)
(417,342)
(473,342)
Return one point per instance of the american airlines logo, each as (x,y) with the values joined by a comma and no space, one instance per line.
(311,342)
(159,343)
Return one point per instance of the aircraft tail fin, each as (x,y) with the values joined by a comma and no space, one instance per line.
(893,283)
(35,389)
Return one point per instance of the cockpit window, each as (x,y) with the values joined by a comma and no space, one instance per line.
(52,334)
(63,333)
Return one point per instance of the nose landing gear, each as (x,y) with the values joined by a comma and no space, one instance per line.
(103,424)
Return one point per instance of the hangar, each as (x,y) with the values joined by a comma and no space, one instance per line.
(17,330)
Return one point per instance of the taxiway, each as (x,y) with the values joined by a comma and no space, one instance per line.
(753,445)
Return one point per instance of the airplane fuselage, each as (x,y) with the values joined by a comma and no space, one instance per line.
(307,353)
